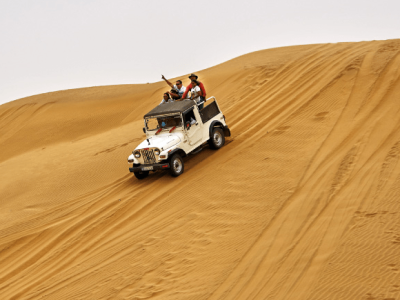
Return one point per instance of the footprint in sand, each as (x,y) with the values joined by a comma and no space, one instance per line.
(320,116)
(280,130)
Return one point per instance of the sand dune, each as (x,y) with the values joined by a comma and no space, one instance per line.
(303,201)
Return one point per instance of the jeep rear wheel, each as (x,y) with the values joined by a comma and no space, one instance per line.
(176,165)
(217,138)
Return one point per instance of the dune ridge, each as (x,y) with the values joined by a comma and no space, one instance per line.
(301,203)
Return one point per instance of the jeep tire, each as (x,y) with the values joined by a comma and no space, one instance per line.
(217,138)
(176,165)
(140,174)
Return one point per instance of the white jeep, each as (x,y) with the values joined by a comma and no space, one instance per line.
(173,131)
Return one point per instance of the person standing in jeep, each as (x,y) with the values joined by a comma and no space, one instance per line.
(178,86)
(190,86)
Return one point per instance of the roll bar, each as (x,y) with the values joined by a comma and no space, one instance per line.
(212,97)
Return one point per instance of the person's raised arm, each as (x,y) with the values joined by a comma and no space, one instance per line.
(186,91)
(166,80)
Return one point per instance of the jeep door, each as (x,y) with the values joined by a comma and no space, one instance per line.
(194,133)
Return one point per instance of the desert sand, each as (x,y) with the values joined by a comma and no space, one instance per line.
(302,202)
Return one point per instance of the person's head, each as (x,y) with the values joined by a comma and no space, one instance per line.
(195,83)
(166,96)
(193,77)
(174,94)
(178,83)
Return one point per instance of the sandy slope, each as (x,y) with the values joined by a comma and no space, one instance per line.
(301,203)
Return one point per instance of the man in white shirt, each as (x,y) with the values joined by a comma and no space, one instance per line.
(177,86)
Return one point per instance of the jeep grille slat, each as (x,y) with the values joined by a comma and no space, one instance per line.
(148,156)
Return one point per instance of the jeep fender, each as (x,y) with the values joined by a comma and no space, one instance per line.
(177,150)
(217,123)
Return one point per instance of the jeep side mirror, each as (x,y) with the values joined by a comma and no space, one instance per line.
(188,125)
(144,130)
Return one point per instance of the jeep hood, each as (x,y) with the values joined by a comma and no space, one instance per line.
(162,142)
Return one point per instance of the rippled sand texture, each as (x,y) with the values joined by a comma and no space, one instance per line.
(303,201)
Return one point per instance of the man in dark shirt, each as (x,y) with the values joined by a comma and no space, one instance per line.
(174,94)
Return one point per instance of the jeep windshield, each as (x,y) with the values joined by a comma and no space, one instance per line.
(164,122)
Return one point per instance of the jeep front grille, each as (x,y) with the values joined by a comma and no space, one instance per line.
(148,156)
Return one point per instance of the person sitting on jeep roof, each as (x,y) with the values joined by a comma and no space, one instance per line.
(189,87)
(166,99)
(178,86)
(174,94)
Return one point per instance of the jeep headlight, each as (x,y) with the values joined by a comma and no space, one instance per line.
(136,154)
(157,152)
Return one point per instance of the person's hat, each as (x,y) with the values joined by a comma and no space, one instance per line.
(193,75)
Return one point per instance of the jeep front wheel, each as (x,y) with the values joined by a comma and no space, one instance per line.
(176,165)
(141,174)
(217,138)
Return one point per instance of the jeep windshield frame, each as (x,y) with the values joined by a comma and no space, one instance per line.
(163,121)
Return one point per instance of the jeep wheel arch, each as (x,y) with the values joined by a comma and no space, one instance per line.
(213,124)
(181,152)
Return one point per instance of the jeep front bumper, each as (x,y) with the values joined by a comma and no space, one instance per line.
(153,167)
